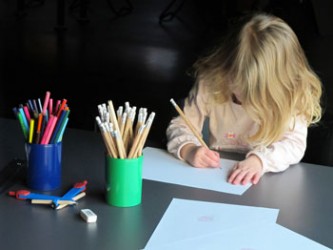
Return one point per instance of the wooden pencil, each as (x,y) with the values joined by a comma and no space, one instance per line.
(123,140)
(77,197)
(119,140)
(145,133)
(136,142)
(189,124)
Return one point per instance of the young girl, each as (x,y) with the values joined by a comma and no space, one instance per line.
(260,96)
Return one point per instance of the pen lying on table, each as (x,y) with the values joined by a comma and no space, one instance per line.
(60,202)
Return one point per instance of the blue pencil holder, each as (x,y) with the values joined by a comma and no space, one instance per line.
(44,165)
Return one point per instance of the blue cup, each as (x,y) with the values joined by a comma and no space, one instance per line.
(44,166)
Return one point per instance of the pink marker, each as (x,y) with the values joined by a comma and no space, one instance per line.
(51,106)
(26,112)
(48,130)
(57,107)
(46,101)
(52,126)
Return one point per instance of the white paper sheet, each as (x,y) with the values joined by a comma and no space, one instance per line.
(159,165)
(188,219)
(197,225)
(258,236)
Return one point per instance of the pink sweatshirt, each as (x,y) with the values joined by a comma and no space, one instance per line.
(228,125)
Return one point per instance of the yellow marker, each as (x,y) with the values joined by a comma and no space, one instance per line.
(31,130)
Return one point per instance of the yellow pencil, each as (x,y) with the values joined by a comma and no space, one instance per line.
(189,124)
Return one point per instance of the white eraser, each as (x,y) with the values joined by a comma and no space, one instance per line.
(88,215)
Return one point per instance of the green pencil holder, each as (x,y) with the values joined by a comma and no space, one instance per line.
(123,181)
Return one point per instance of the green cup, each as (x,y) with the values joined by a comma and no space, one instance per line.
(123,181)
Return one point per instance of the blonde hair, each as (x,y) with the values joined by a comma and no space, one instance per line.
(264,62)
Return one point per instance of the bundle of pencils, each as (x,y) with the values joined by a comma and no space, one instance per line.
(43,124)
(124,136)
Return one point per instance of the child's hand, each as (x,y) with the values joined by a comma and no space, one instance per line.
(200,157)
(248,170)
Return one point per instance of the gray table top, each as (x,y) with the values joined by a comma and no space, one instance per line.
(303,194)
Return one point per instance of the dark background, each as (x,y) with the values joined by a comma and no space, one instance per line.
(126,50)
